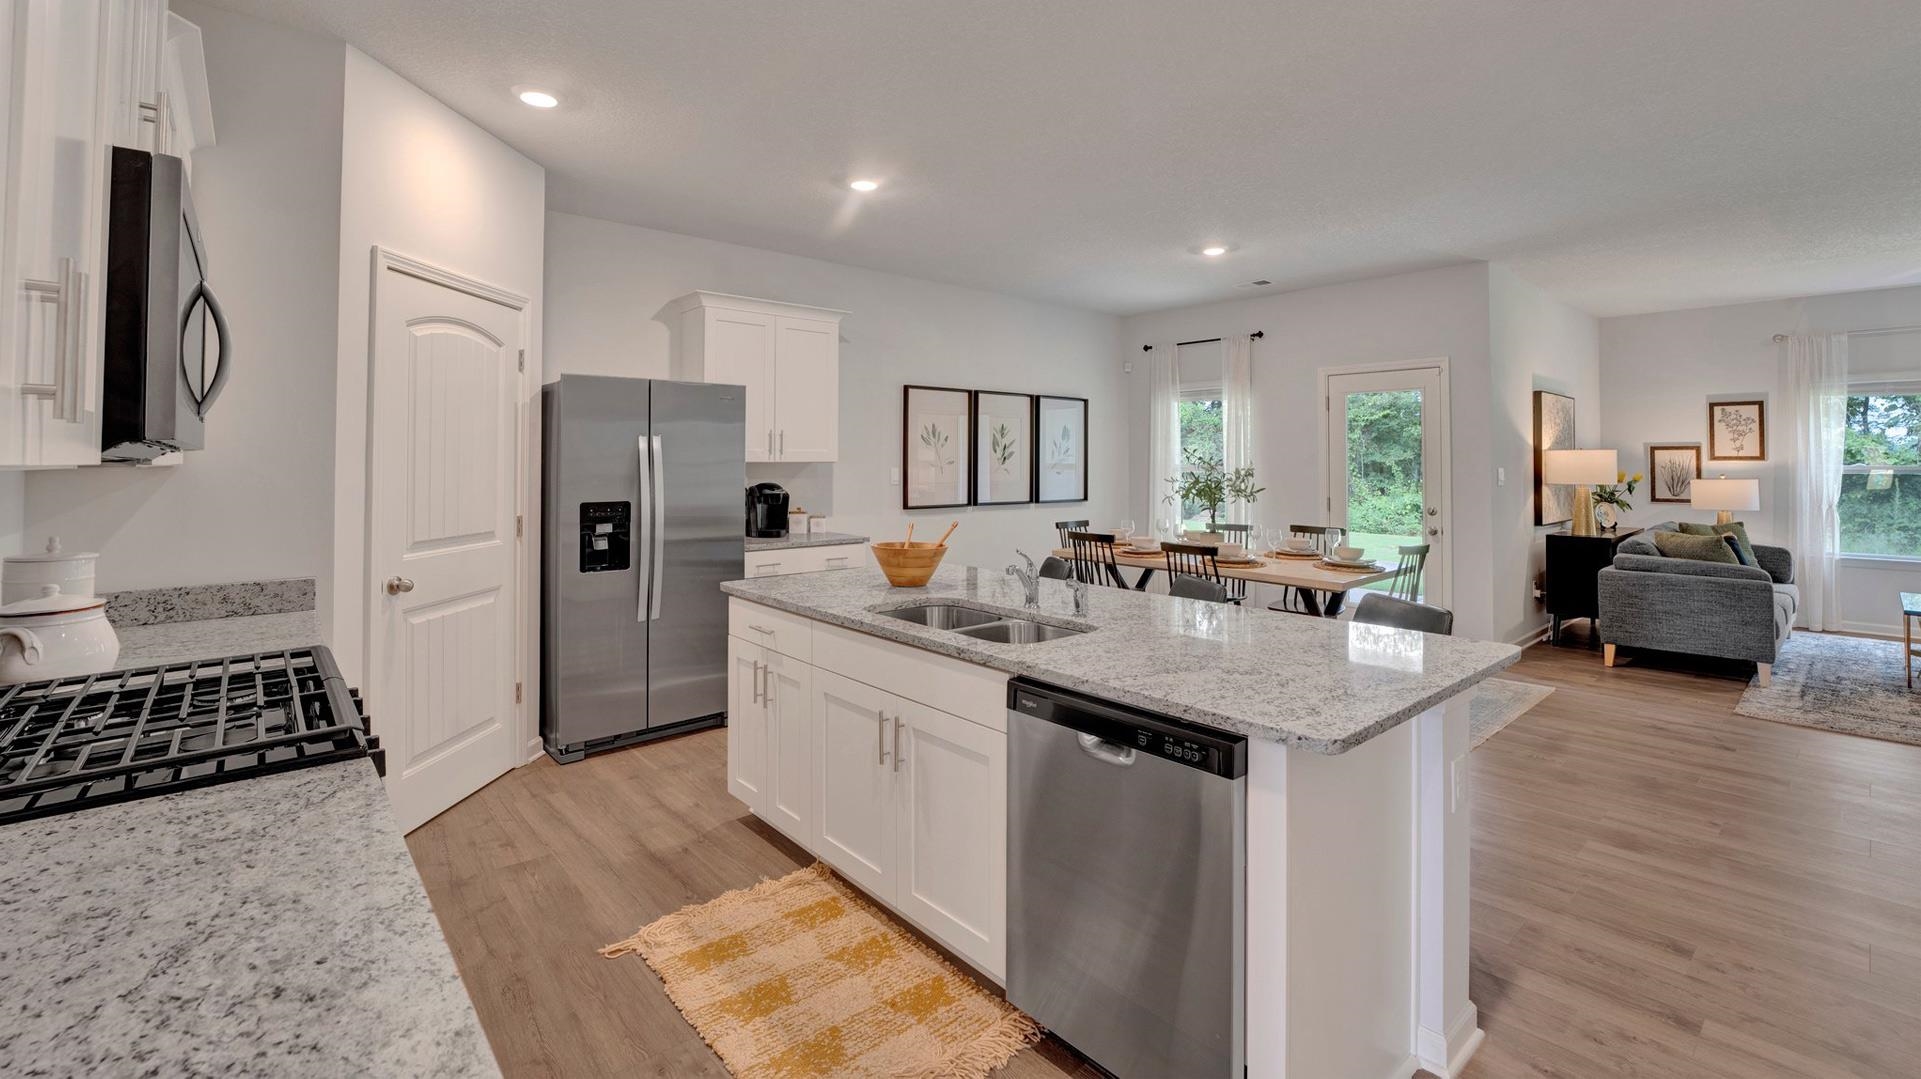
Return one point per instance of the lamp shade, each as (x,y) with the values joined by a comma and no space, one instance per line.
(1589,467)
(1726,494)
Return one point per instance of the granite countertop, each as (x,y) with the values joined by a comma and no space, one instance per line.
(795,539)
(265,927)
(1316,684)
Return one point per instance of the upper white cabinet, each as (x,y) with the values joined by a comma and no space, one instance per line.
(76,78)
(788,358)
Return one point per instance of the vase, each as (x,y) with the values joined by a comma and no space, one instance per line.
(1605,515)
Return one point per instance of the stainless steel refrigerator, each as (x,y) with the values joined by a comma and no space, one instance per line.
(641,487)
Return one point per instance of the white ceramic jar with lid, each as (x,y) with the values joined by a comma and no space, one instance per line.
(54,635)
(23,576)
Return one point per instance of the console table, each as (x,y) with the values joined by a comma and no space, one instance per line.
(1572,563)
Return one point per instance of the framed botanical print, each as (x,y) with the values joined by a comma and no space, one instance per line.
(1672,470)
(1553,430)
(1060,435)
(1737,430)
(1003,448)
(936,438)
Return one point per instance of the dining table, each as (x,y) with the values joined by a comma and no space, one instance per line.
(1312,577)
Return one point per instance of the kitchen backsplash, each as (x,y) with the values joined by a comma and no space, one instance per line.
(191,603)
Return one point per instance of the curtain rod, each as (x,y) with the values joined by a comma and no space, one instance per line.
(1256,335)
(1780,337)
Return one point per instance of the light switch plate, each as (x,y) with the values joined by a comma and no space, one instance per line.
(893,477)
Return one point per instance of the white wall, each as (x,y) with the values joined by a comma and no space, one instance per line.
(422,180)
(1415,316)
(1658,372)
(254,504)
(1537,343)
(606,281)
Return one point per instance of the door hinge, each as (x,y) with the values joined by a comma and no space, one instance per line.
(523,359)
(520,525)
(517,692)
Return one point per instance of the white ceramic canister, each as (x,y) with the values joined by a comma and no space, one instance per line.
(23,576)
(54,635)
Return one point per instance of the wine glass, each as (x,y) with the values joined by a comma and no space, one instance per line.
(1127,530)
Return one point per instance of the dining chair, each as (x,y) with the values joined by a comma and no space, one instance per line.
(1064,527)
(1056,569)
(1094,558)
(1406,582)
(1231,529)
(1381,609)
(1197,588)
(1199,560)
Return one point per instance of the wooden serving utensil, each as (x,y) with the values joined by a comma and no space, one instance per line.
(942,542)
(909,542)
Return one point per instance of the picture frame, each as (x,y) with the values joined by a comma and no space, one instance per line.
(1737,430)
(1672,469)
(1004,467)
(1060,458)
(936,447)
(1553,430)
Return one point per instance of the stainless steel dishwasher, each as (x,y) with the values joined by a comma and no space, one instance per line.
(1126,883)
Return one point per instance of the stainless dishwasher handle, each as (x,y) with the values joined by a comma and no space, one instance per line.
(1103,750)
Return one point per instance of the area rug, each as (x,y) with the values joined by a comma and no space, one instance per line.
(801,976)
(1498,702)
(1853,685)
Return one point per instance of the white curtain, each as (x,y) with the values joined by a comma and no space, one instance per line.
(1163,430)
(1818,397)
(1237,413)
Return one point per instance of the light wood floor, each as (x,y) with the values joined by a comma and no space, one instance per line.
(1661,889)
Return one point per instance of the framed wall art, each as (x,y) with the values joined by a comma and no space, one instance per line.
(1672,469)
(1737,430)
(1553,430)
(1060,435)
(1003,448)
(936,447)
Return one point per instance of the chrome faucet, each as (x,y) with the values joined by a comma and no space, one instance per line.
(1079,588)
(1030,580)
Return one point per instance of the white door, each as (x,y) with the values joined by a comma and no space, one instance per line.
(806,390)
(746,724)
(441,498)
(740,351)
(952,796)
(1387,473)
(854,780)
(789,708)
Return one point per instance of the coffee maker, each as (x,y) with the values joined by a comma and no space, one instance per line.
(766,511)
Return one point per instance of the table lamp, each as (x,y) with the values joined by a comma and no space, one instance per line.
(1725,496)
(1584,469)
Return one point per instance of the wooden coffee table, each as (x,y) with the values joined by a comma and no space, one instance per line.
(1910,615)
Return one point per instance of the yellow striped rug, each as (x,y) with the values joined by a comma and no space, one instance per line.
(801,976)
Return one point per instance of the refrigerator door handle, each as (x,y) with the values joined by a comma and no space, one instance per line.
(644,586)
(659,571)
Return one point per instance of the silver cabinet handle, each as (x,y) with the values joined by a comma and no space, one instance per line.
(897,727)
(880,734)
(761,629)
(782,452)
(756,688)
(397,585)
(770,442)
(766,683)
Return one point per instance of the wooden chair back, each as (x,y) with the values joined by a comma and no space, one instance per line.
(1094,558)
(1325,537)
(1064,527)
(1406,582)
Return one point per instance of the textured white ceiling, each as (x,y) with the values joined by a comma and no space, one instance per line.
(1628,155)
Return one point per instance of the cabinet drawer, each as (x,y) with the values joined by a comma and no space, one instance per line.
(790,635)
(779,563)
(977,694)
(839,556)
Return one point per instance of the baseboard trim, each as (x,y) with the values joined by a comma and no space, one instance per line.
(1446,1054)
(1871,629)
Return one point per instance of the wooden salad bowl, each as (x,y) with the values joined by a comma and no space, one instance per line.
(908,564)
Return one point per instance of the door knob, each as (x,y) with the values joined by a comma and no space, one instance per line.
(397,585)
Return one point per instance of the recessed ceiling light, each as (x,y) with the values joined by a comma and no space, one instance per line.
(1214,252)
(539,99)
(865,185)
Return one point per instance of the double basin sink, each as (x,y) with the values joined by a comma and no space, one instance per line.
(982,625)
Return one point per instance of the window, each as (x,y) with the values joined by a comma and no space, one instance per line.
(1202,437)
(1880,504)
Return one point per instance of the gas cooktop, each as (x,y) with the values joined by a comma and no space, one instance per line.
(74,743)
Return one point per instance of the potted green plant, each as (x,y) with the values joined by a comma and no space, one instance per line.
(1207,483)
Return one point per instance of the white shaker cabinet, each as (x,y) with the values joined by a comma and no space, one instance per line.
(854,779)
(747,725)
(77,77)
(787,356)
(781,561)
(951,821)
(787,706)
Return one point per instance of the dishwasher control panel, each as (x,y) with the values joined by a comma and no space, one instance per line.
(1131,729)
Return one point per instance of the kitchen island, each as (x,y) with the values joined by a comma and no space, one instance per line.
(881,745)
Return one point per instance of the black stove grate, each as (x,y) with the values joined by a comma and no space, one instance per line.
(74,743)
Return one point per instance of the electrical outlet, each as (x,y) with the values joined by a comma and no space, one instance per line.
(1500,477)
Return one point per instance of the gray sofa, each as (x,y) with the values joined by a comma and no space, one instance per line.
(1702,608)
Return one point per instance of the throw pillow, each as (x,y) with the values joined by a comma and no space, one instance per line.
(1739,531)
(1699,548)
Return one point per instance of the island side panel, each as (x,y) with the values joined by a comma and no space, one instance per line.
(1448,1025)
(1332,899)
